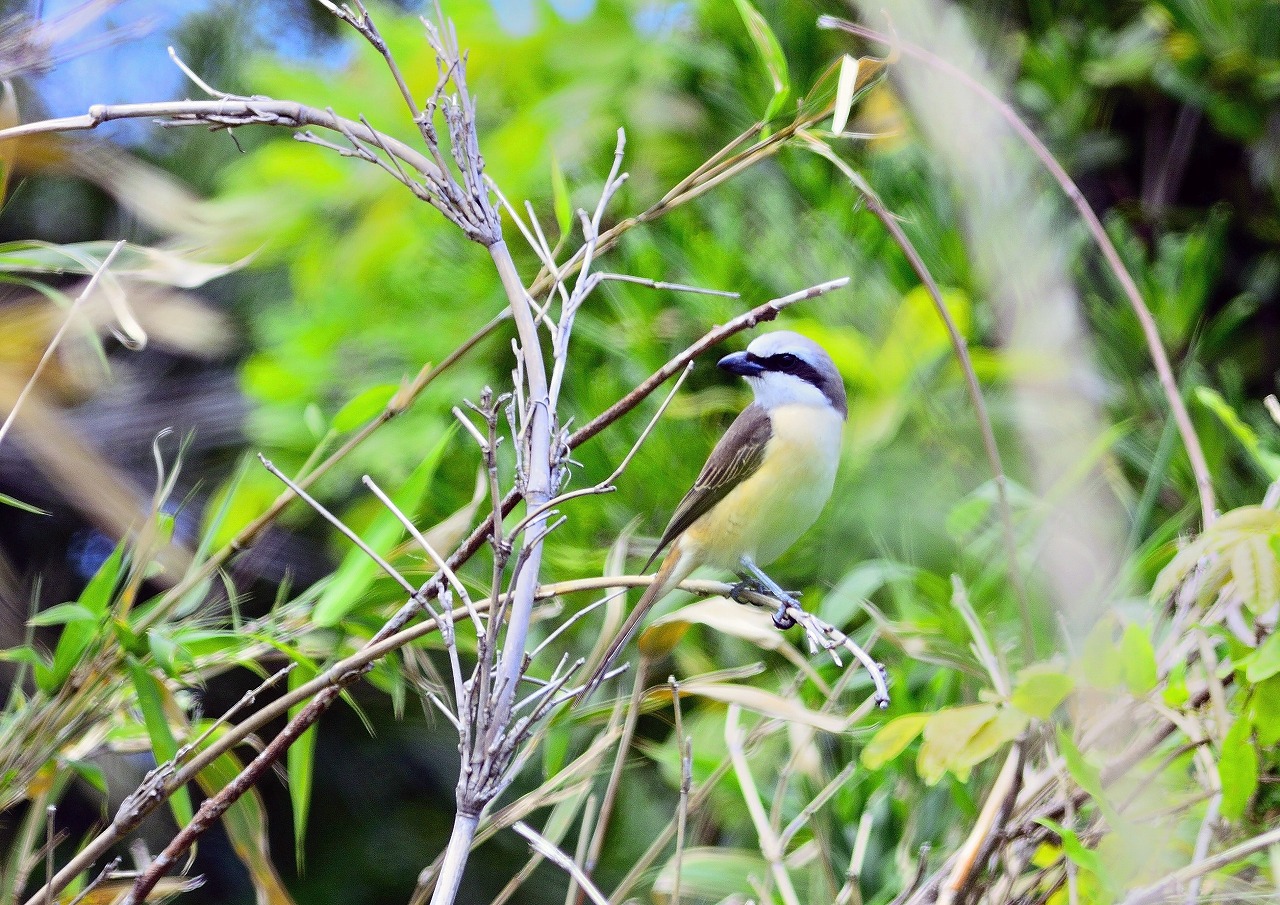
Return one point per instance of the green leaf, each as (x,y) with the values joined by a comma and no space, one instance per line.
(63,614)
(1088,777)
(1176,692)
(90,773)
(301,765)
(560,198)
(844,600)
(151,701)
(775,62)
(1237,770)
(357,571)
(1139,660)
(167,653)
(41,669)
(97,594)
(1214,402)
(892,739)
(6,500)
(363,407)
(1073,848)
(1265,662)
(1039,689)
(712,874)
(1265,711)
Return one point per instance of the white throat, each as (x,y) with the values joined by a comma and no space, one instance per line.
(773,389)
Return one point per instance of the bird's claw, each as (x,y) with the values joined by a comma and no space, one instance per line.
(782,619)
(738,593)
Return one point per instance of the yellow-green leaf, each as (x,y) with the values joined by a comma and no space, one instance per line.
(1255,572)
(1138,659)
(1237,770)
(775,62)
(560,198)
(999,731)
(892,739)
(1039,689)
(946,735)
(363,407)
(1101,661)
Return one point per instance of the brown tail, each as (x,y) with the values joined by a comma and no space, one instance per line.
(671,573)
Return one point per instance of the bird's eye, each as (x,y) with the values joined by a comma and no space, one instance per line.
(786,359)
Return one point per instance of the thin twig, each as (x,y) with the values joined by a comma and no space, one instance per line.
(684,744)
(338,523)
(67,321)
(1157,891)
(544,847)
(770,845)
(615,775)
(607,485)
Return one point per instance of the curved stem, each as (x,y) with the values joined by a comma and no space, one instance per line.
(1150,332)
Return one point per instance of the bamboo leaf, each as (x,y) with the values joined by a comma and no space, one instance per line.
(151,701)
(246,825)
(6,500)
(357,571)
(300,764)
(775,62)
(63,614)
(711,874)
(560,199)
(364,407)
(755,699)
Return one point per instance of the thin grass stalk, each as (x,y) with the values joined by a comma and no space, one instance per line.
(1150,332)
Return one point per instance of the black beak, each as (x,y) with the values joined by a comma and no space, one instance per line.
(740,363)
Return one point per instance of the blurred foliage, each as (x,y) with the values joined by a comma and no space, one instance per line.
(1166,112)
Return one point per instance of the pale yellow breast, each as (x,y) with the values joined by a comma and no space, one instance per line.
(766,513)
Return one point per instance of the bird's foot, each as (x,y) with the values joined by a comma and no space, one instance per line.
(782,619)
(738,593)
(786,599)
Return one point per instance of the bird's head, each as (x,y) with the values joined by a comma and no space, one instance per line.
(785,368)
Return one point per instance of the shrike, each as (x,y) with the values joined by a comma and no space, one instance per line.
(766,480)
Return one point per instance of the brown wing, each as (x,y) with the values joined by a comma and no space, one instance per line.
(735,458)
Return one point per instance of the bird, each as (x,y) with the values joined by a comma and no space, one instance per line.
(764,483)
